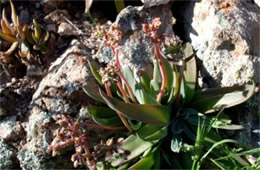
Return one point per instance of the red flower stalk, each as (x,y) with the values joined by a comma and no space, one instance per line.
(151,31)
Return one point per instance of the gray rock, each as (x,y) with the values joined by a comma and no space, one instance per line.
(51,27)
(257,2)
(226,37)
(136,48)
(65,29)
(56,16)
(150,3)
(5,156)
(60,92)
(6,128)
(30,160)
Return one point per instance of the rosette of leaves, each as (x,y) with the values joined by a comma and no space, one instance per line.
(21,36)
(37,38)
(171,131)
(13,33)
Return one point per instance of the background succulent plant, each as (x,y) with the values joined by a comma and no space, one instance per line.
(21,36)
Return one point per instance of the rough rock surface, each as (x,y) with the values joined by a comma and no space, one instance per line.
(136,48)
(56,16)
(257,2)
(6,128)
(60,92)
(6,155)
(226,37)
(49,5)
(66,29)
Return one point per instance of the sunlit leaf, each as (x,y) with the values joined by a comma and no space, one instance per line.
(11,49)
(136,88)
(148,113)
(101,112)
(156,72)
(174,90)
(119,5)
(95,73)
(93,93)
(187,50)
(113,121)
(169,74)
(37,30)
(144,163)
(152,132)
(212,100)
(145,80)
(189,80)
(9,30)
(8,37)
(104,116)
(14,15)
(88,4)
(136,146)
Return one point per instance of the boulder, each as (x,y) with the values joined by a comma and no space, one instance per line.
(6,156)
(59,92)
(225,35)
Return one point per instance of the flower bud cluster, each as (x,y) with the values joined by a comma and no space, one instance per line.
(112,37)
(71,134)
(109,74)
(151,29)
(172,45)
(106,151)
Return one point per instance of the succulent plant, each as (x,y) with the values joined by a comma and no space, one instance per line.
(21,36)
(168,120)
(37,38)
(12,32)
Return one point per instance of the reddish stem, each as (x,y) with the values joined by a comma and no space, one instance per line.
(123,92)
(123,119)
(128,87)
(115,51)
(162,69)
(104,127)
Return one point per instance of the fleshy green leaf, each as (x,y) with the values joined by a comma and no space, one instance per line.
(95,73)
(152,132)
(148,113)
(9,29)
(156,72)
(187,50)
(130,78)
(154,88)
(14,16)
(101,112)
(189,80)
(113,121)
(174,90)
(212,100)
(37,30)
(169,74)
(11,49)
(104,116)
(144,163)
(145,80)
(93,93)
(135,126)
(136,146)
(8,37)
(119,5)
